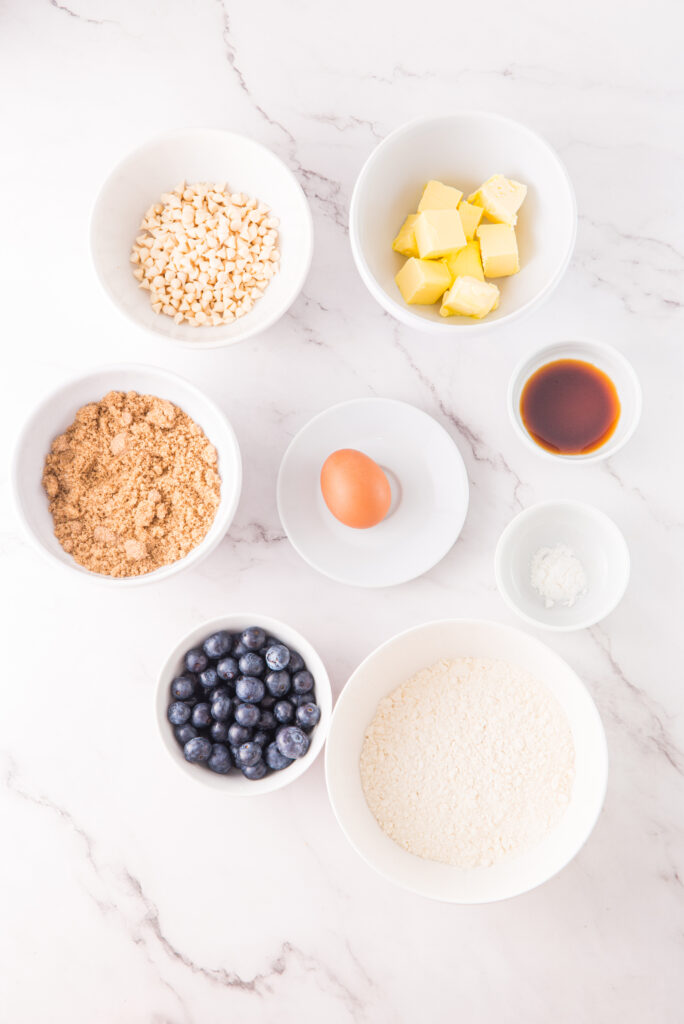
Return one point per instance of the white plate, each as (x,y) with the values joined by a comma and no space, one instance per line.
(429,499)
(593,537)
(393,663)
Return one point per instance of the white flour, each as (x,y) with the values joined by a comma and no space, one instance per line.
(467,762)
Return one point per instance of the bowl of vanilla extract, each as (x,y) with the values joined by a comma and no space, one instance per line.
(579,401)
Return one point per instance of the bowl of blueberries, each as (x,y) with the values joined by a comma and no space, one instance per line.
(243,704)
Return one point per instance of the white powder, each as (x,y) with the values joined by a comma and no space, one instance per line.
(467,762)
(558,575)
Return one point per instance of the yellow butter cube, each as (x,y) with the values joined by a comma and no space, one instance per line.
(470,297)
(500,198)
(466,262)
(470,217)
(438,233)
(422,281)
(437,196)
(499,250)
(405,242)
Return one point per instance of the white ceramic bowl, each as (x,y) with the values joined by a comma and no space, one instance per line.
(606,358)
(463,149)
(429,493)
(56,412)
(389,666)
(234,784)
(594,538)
(195,155)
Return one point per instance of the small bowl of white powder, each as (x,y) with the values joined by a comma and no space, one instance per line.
(562,565)
(466,761)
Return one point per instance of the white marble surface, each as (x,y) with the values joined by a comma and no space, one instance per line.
(129,895)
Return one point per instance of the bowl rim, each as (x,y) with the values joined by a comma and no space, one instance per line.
(587,346)
(403,313)
(198,553)
(344,697)
(584,508)
(275,780)
(336,577)
(159,329)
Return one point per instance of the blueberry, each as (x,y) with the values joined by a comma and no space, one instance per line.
(291,741)
(182,687)
(238,650)
(201,716)
(247,714)
(267,720)
(221,709)
(301,698)
(228,670)
(308,715)
(218,644)
(178,713)
(218,691)
(252,664)
(249,754)
(267,702)
(276,760)
(302,682)
(196,660)
(238,734)
(197,749)
(218,732)
(219,760)
(283,712)
(250,689)
(209,678)
(296,662)
(183,733)
(253,638)
(260,737)
(277,657)
(278,683)
(254,771)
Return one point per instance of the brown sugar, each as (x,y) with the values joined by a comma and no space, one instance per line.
(133,484)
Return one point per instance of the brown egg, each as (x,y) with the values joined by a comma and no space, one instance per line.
(355,489)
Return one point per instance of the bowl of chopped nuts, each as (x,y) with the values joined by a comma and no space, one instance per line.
(202,235)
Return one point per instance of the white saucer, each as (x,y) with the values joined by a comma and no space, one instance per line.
(429,493)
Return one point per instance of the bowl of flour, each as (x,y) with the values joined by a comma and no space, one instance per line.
(466,761)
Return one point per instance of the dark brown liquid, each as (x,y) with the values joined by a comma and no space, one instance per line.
(570,407)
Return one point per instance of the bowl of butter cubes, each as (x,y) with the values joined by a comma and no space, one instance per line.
(462,221)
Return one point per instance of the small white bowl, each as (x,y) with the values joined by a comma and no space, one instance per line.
(463,149)
(56,412)
(235,784)
(594,538)
(381,673)
(196,155)
(429,493)
(607,359)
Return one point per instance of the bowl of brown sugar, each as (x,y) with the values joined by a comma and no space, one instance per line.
(127,474)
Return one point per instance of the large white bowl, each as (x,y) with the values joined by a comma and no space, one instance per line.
(463,149)
(56,412)
(195,155)
(235,784)
(598,544)
(388,667)
(606,358)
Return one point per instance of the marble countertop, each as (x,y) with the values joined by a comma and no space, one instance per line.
(127,893)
